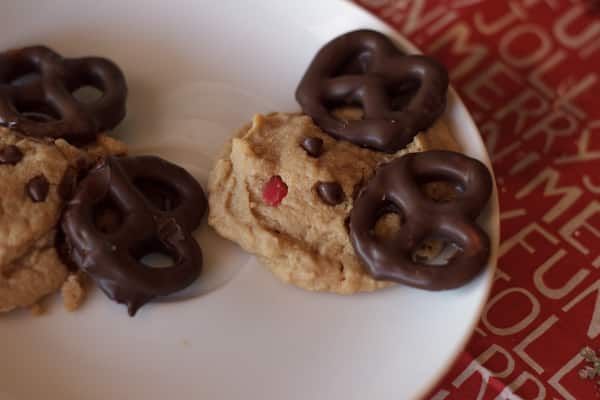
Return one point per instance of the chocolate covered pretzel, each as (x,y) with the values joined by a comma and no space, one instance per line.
(127,208)
(397,187)
(400,94)
(36,94)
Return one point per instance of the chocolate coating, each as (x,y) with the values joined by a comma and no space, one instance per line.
(49,92)
(112,256)
(313,146)
(400,94)
(331,193)
(396,186)
(37,188)
(68,184)
(11,154)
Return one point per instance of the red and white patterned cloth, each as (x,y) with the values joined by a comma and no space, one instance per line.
(529,72)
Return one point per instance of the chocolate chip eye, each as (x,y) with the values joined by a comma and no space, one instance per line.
(10,155)
(37,188)
(313,146)
(331,193)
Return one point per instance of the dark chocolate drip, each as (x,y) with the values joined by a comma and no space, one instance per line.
(400,94)
(139,225)
(397,184)
(313,146)
(10,154)
(38,188)
(44,106)
(331,193)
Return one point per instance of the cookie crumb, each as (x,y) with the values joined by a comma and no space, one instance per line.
(73,291)
(37,310)
(88,155)
(105,145)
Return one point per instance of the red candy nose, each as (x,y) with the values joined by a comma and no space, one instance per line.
(274,191)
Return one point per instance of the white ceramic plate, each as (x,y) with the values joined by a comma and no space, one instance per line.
(196,71)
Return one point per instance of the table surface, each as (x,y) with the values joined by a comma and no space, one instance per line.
(528,72)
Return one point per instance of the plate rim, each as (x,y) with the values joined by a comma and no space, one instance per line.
(493,203)
(374,22)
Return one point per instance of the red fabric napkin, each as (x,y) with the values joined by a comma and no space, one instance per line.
(529,72)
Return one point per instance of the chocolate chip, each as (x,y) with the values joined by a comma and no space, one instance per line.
(11,154)
(331,192)
(313,146)
(37,188)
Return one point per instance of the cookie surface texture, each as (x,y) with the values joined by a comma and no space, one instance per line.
(304,239)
